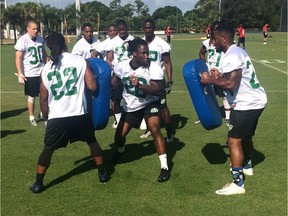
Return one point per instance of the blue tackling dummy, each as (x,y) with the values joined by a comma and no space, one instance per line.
(203,96)
(99,103)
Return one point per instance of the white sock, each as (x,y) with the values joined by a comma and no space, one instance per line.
(227,108)
(31,118)
(163,161)
(121,149)
(117,117)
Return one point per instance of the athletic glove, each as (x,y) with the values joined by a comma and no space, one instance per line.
(168,86)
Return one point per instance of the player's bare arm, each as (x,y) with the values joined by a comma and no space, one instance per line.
(168,65)
(202,53)
(109,58)
(155,87)
(19,62)
(44,101)
(229,81)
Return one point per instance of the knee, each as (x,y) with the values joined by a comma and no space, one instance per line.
(31,99)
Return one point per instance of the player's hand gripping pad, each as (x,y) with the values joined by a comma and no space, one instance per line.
(203,96)
(99,103)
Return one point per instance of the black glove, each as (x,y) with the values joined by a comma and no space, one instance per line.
(168,87)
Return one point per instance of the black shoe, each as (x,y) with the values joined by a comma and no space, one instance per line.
(116,156)
(103,177)
(164,175)
(36,188)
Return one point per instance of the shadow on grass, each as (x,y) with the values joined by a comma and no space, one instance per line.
(12,113)
(178,121)
(215,154)
(136,151)
(133,151)
(5,133)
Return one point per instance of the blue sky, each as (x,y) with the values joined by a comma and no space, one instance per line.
(183,5)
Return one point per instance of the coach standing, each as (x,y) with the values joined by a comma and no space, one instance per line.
(30,57)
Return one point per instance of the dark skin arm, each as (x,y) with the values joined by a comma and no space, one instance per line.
(44,101)
(168,65)
(202,53)
(155,87)
(109,58)
(230,81)
(95,54)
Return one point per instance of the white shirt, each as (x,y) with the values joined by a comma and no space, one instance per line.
(84,49)
(32,55)
(119,49)
(156,48)
(134,98)
(214,57)
(66,86)
(249,94)
(103,47)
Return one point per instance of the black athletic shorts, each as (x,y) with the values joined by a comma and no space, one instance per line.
(243,123)
(265,34)
(241,40)
(32,86)
(61,131)
(135,118)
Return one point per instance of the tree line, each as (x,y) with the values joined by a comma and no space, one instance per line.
(250,13)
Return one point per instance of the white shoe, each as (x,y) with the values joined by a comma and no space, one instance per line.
(115,124)
(248,172)
(145,135)
(197,121)
(231,189)
(265,43)
(227,122)
(33,123)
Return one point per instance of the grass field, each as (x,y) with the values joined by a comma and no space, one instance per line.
(198,158)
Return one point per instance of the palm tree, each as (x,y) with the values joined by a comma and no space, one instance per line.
(13,16)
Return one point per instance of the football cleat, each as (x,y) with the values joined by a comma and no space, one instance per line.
(103,177)
(33,123)
(115,124)
(231,189)
(164,175)
(146,134)
(36,188)
(248,171)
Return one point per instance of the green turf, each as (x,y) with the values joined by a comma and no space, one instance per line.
(198,157)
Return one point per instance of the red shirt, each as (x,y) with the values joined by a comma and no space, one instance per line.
(265,28)
(168,33)
(241,31)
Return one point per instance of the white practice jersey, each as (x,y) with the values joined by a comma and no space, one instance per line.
(156,48)
(134,98)
(84,49)
(103,47)
(32,55)
(214,57)
(119,49)
(249,94)
(66,86)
